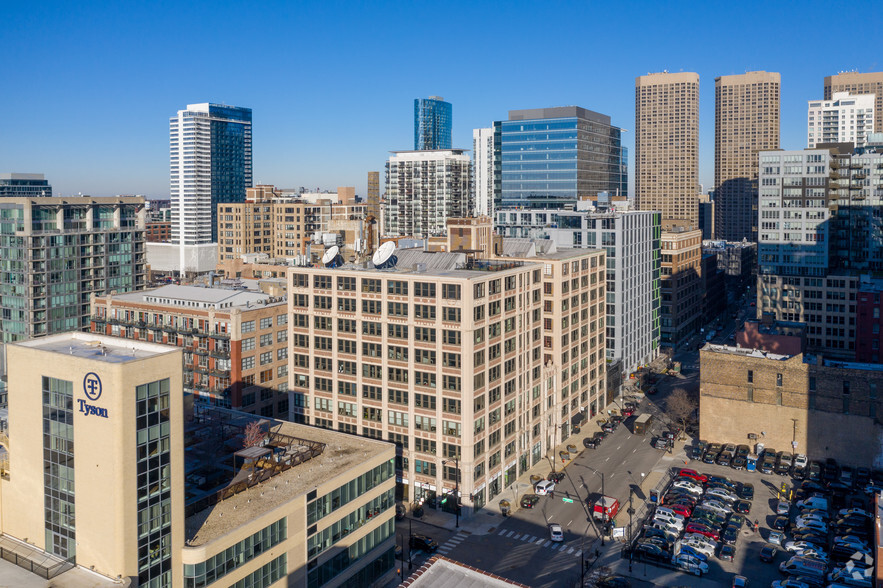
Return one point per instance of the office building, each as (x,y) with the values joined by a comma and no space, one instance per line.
(859,83)
(24,185)
(424,189)
(845,118)
(445,355)
(57,252)
(667,145)
(484,165)
(796,402)
(869,322)
(432,124)
(746,121)
(211,164)
(820,231)
(552,157)
(235,342)
(706,215)
(714,288)
(631,240)
(250,502)
(373,199)
(738,262)
(680,284)
(158,231)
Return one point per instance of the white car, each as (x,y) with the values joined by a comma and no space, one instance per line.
(693,539)
(662,517)
(721,494)
(800,461)
(544,487)
(717,506)
(848,512)
(688,486)
(693,566)
(794,546)
(807,518)
(776,538)
(661,510)
(813,553)
(783,507)
(851,540)
(813,524)
(555,532)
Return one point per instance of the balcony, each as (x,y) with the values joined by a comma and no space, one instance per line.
(220,336)
(220,353)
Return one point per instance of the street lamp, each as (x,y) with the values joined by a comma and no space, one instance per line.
(597,473)
(631,512)
(456,489)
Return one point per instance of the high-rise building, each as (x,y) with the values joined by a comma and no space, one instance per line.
(202,496)
(483,162)
(24,185)
(681,284)
(631,240)
(667,145)
(746,121)
(57,252)
(552,157)
(820,231)
(432,124)
(845,118)
(211,163)
(373,198)
(424,189)
(859,83)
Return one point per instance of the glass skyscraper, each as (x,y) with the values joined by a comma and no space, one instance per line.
(29,185)
(551,157)
(432,123)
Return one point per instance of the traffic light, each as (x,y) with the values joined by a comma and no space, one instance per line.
(445,499)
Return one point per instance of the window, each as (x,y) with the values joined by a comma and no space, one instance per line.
(371,286)
(450,314)
(397,287)
(372,329)
(451,291)
(371,306)
(451,337)
(778,379)
(424,401)
(248,363)
(248,344)
(424,311)
(266,339)
(347,284)
(397,309)
(750,376)
(247,326)
(424,334)
(397,396)
(266,322)
(322,282)
(399,419)
(423,290)
(398,331)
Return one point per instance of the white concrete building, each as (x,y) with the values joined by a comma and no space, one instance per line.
(483,170)
(846,118)
(424,189)
(632,242)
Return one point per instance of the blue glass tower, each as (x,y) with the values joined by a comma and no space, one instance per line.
(432,123)
(551,157)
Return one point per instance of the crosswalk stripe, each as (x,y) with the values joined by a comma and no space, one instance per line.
(579,553)
(540,540)
(510,533)
(517,536)
(546,544)
(570,550)
(501,531)
(531,540)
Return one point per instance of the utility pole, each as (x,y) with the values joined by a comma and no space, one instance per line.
(631,512)
(410,563)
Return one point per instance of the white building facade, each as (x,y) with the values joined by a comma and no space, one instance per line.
(846,118)
(483,170)
(632,242)
(424,189)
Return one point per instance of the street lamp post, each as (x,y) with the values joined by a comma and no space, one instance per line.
(631,512)
(410,563)
(456,489)
(597,473)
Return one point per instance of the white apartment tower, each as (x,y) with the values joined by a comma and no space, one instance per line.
(210,161)
(483,170)
(424,189)
(846,118)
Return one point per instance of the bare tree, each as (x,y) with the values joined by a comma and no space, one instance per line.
(680,406)
(254,434)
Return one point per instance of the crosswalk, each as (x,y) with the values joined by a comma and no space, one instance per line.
(451,543)
(542,542)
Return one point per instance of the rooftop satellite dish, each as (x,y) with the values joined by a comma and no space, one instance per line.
(384,257)
(331,257)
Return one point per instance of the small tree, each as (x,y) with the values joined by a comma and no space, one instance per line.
(680,406)
(254,434)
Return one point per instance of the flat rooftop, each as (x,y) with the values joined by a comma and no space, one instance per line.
(745,352)
(98,347)
(205,456)
(442,572)
(195,297)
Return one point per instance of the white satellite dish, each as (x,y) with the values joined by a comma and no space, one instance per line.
(384,254)
(330,257)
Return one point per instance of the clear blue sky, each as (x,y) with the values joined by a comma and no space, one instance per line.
(88,88)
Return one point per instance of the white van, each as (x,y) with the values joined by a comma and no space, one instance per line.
(813,502)
(544,487)
(661,510)
(804,566)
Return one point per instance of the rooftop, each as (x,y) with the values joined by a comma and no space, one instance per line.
(227,488)
(442,572)
(98,347)
(197,297)
(434,264)
(540,249)
(788,328)
(745,352)
(847,365)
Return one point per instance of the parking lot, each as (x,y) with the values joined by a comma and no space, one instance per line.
(746,561)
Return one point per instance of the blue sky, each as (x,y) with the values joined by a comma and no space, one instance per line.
(88,88)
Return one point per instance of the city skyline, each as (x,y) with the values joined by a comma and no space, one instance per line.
(301,135)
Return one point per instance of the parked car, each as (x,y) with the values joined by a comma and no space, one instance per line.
(742,506)
(800,460)
(729,535)
(738,463)
(702,530)
(724,458)
(746,491)
(590,443)
(776,538)
(814,471)
(783,507)
(693,475)
(422,542)
(780,523)
(722,495)
(691,565)
(544,488)
(727,552)
(529,500)
(650,550)
(768,553)
(555,477)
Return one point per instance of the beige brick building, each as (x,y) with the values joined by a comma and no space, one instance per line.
(746,121)
(667,145)
(681,284)
(859,83)
(795,403)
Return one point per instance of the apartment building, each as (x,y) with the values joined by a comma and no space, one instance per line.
(819,233)
(158,231)
(24,185)
(631,241)
(681,284)
(55,253)
(859,83)
(235,342)
(746,121)
(667,145)
(202,496)
(845,118)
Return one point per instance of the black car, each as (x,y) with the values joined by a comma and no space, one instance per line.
(742,507)
(768,553)
(722,482)
(555,477)
(742,451)
(650,550)
(832,470)
(780,523)
(724,458)
(798,473)
(767,465)
(423,542)
(600,435)
(652,533)
(729,535)
(862,476)
(727,552)
(609,427)
(746,491)
(814,472)
(590,443)
(739,463)
(709,457)
(812,486)
(529,500)
(782,468)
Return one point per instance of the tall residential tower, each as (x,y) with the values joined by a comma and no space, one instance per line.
(432,123)
(859,83)
(846,118)
(667,145)
(746,121)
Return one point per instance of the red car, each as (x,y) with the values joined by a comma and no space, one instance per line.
(681,509)
(693,475)
(702,530)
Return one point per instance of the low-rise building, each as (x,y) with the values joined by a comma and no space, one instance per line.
(200,496)
(235,342)
(158,231)
(797,403)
